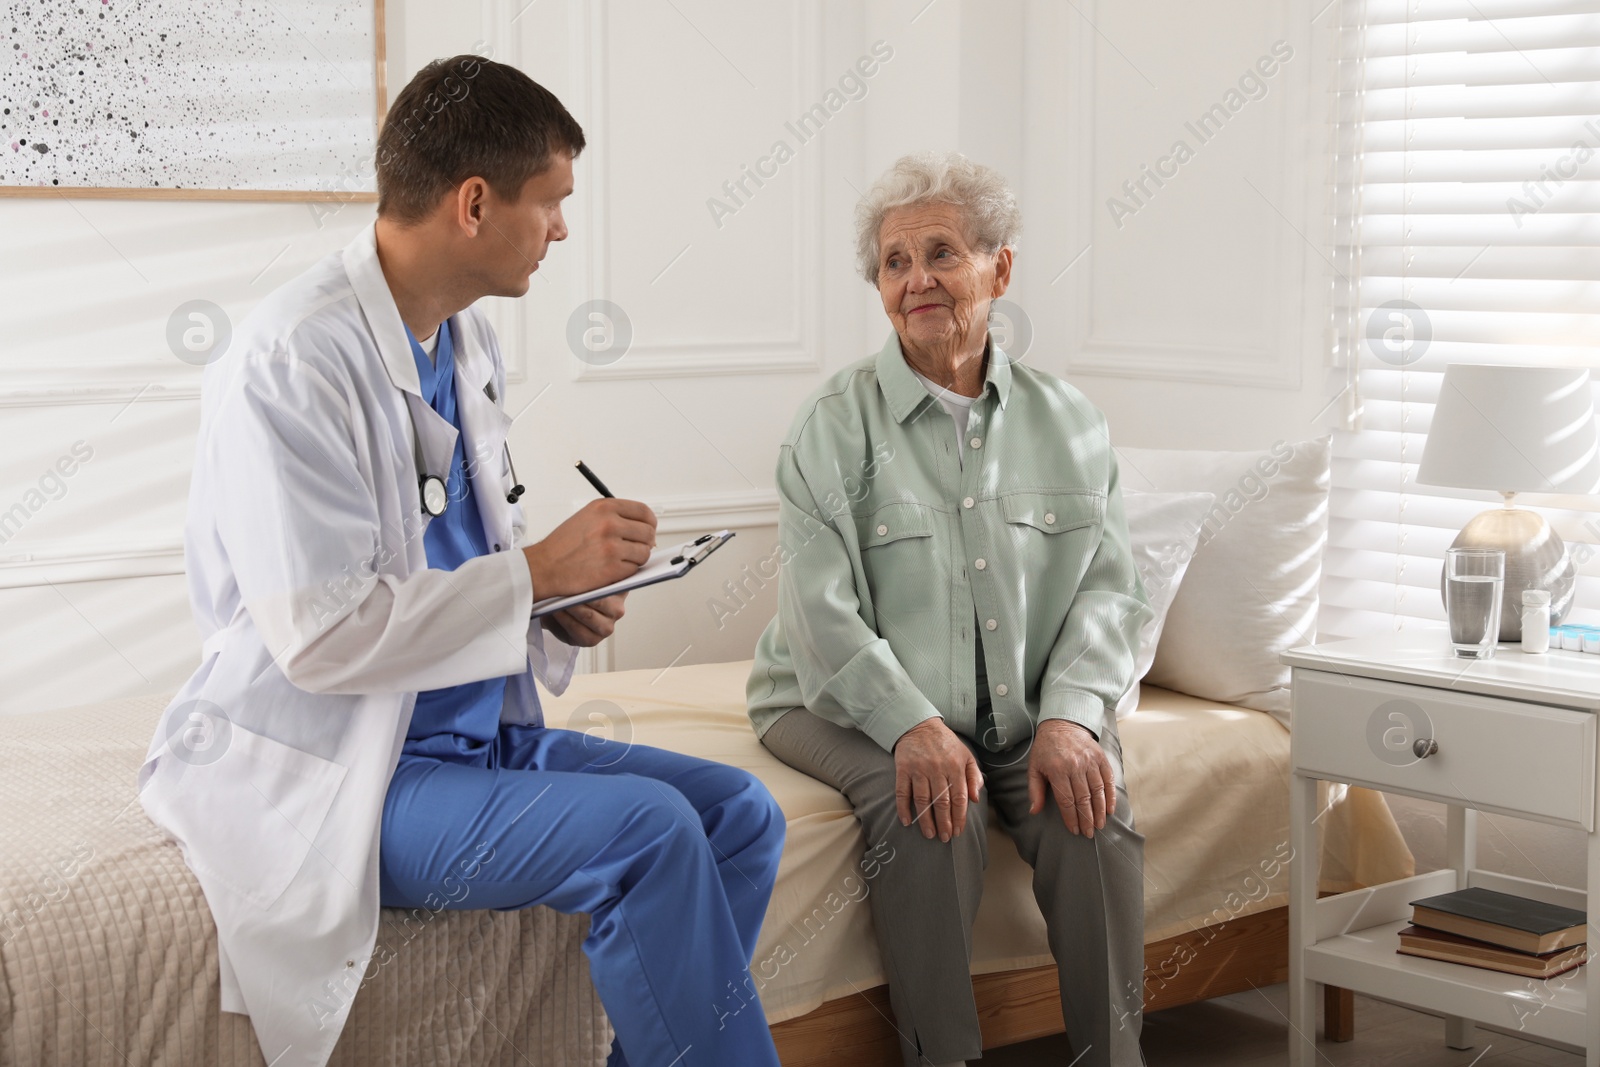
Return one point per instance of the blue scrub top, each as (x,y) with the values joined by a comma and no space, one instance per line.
(461,721)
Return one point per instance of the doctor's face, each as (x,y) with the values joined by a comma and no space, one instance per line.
(516,235)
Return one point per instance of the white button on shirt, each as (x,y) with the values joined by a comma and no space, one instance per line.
(969,502)
(980,564)
(1049,518)
(1001,690)
(976,442)
(991,625)
(882,530)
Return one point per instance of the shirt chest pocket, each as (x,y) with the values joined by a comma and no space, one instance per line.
(1054,513)
(894,522)
(898,560)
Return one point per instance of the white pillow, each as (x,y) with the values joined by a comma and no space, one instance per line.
(1251,590)
(1163,529)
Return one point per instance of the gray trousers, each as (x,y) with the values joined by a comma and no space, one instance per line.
(925,899)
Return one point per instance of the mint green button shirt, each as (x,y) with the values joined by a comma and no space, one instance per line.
(898,559)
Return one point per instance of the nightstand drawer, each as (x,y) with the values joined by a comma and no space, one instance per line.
(1493,754)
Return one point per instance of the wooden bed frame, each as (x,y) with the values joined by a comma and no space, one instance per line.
(1013,1006)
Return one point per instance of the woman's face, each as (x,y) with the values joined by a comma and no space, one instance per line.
(936,287)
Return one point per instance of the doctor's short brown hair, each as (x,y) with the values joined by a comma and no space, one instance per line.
(467,117)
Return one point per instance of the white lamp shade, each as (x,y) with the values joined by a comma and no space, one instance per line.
(1513,430)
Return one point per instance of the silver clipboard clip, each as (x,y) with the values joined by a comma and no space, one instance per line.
(711,543)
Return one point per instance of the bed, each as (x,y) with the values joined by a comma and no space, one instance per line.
(107,952)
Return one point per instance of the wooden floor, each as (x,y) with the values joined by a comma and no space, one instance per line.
(1250,1029)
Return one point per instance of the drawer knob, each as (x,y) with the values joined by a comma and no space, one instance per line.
(1424,747)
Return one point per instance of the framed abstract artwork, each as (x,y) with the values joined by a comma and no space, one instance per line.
(191,99)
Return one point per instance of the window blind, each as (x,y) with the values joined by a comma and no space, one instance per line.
(1466,229)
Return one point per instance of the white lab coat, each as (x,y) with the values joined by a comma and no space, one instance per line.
(321,622)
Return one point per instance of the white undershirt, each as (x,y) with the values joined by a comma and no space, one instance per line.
(957,405)
(430,345)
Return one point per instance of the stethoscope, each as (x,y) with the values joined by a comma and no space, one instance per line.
(435,497)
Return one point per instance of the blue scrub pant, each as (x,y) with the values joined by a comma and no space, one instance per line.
(672,856)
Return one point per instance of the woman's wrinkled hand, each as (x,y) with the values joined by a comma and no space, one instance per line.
(1068,761)
(935,778)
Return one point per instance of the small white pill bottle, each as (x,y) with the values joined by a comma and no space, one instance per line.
(1535,620)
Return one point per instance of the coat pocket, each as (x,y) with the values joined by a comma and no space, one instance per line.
(247,818)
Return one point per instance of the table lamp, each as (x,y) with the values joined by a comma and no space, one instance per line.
(1516,430)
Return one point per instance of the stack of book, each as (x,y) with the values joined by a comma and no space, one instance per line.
(1498,931)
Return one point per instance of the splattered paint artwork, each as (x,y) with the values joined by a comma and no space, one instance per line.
(189,94)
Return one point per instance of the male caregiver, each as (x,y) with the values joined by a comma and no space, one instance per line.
(363,728)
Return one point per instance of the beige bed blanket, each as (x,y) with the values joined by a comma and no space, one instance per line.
(108,954)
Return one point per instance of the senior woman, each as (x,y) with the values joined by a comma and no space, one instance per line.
(959,609)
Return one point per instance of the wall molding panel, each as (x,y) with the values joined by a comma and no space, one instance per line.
(693,356)
(743,509)
(96,561)
(103,392)
(90,562)
(1276,360)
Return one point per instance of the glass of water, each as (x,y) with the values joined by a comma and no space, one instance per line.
(1474,578)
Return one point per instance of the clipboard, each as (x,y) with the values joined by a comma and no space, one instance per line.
(663,565)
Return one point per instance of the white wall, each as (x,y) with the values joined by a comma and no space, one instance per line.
(92,595)
(734,318)
(1196,321)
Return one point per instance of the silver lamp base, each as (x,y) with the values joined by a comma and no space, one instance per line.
(1536,558)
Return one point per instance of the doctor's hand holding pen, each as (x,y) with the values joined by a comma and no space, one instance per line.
(604,542)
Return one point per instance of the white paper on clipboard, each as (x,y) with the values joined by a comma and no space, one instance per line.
(663,565)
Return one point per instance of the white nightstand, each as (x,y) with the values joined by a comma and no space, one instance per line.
(1513,735)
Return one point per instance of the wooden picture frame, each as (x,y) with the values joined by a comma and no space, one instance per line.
(380,89)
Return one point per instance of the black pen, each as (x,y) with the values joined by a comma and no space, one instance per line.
(599,486)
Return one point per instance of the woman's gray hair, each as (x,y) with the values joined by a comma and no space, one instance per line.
(993,220)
